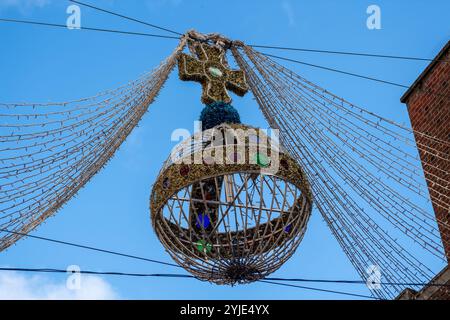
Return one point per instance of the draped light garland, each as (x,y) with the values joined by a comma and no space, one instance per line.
(365,173)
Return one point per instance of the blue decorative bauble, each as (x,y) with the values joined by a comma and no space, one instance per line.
(202,221)
(217,113)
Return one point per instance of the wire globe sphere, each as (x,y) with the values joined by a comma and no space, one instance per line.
(230,207)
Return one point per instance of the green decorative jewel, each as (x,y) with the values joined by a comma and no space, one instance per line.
(262,160)
(203,246)
(215,72)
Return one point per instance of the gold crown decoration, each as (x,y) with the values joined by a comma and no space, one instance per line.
(224,219)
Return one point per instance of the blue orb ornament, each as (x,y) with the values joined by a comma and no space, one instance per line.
(218,112)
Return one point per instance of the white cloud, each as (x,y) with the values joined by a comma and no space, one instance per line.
(288,10)
(20,287)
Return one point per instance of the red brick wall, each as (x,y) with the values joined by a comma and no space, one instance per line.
(442,294)
(430,113)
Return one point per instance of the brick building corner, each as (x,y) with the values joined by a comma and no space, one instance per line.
(429,111)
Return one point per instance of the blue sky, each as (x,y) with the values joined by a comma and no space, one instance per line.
(41,64)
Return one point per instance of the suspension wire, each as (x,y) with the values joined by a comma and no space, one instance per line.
(173,37)
(427,90)
(81,246)
(322,290)
(168,275)
(178,275)
(383,283)
(39,23)
(363,54)
(89,272)
(336,70)
(265,46)
(261,46)
(125,17)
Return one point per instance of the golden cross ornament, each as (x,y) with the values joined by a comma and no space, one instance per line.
(212,71)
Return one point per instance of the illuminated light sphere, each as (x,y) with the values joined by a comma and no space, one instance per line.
(231,219)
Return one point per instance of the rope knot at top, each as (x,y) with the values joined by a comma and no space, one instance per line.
(215,39)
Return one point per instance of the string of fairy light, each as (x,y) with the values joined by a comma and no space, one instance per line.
(333,160)
(364,169)
(61,152)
